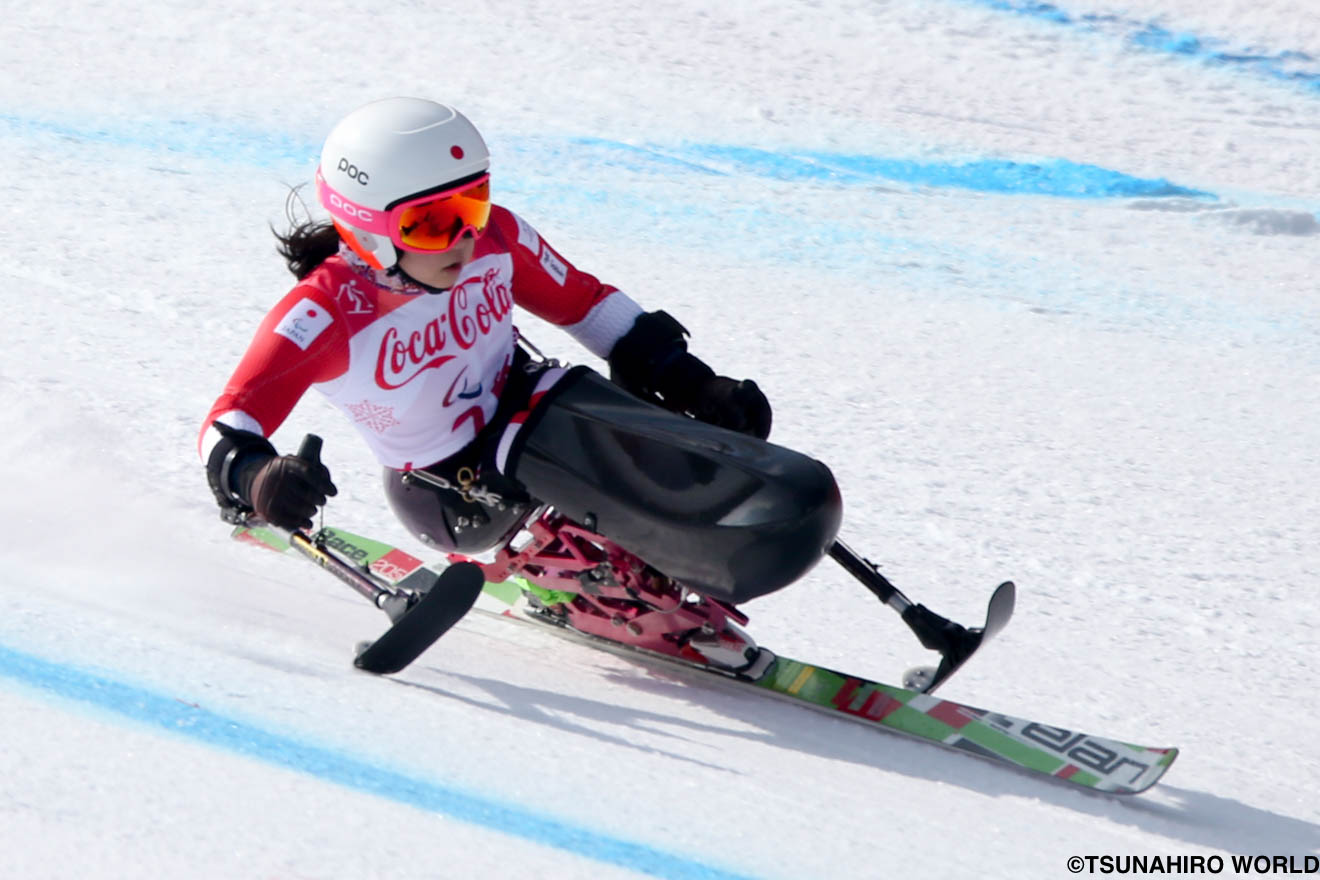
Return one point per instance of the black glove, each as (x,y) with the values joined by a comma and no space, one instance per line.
(737,405)
(285,490)
(652,361)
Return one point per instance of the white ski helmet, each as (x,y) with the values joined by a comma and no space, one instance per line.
(388,152)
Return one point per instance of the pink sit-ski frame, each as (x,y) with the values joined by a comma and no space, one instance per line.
(619,597)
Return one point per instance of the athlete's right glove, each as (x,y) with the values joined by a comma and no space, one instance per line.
(248,476)
(286,490)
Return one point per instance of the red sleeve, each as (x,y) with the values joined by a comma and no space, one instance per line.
(545,283)
(303,340)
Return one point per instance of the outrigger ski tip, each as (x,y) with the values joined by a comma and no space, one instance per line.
(956,643)
(420,611)
(452,595)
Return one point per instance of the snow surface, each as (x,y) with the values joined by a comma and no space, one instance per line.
(1036,280)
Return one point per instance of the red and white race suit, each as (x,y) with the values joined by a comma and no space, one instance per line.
(419,373)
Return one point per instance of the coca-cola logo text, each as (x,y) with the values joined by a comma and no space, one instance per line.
(496,301)
(471,315)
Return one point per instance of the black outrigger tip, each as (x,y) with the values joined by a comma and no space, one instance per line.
(955,642)
(452,595)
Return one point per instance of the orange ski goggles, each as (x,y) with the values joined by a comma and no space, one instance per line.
(424,223)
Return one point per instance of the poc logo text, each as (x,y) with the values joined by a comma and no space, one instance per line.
(353,171)
(352,210)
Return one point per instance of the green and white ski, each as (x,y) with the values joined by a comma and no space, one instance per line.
(1092,762)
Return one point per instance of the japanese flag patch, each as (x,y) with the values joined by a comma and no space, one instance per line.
(304,322)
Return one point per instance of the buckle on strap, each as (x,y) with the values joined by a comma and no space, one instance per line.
(466,487)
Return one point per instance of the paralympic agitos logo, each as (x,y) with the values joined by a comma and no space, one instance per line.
(473,313)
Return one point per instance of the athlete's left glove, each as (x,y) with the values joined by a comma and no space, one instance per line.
(247,476)
(738,405)
(652,361)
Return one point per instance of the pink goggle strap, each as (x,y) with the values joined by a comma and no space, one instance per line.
(349,211)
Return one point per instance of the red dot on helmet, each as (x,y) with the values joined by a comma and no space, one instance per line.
(456,151)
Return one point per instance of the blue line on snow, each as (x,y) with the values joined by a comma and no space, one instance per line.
(190,721)
(1050,177)
(185,137)
(1289,65)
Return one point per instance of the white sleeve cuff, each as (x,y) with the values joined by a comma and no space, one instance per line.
(605,324)
(235,418)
